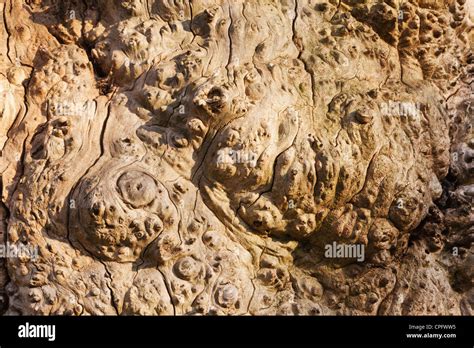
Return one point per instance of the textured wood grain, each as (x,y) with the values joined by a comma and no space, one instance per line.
(199,157)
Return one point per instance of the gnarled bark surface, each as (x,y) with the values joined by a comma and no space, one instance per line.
(200,157)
